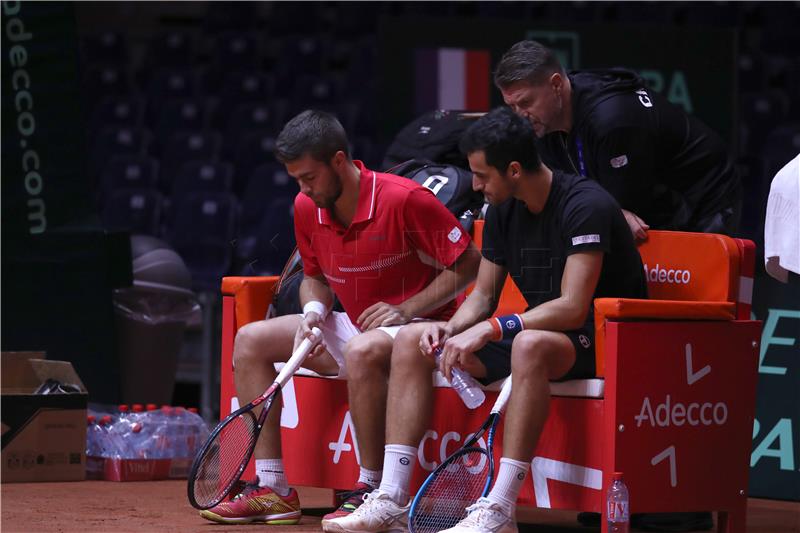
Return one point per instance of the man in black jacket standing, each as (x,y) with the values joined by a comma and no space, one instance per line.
(666,169)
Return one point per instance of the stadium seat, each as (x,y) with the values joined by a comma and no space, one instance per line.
(267,182)
(761,112)
(117,110)
(202,231)
(167,83)
(235,51)
(129,171)
(109,48)
(114,140)
(100,81)
(134,210)
(672,407)
(171,49)
(198,175)
(246,118)
(274,239)
(179,114)
(254,149)
(245,87)
(185,146)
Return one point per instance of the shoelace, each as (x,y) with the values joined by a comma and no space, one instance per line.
(357,495)
(481,512)
(374,504)
(248,488)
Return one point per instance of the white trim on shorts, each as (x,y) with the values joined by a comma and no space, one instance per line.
(337,330)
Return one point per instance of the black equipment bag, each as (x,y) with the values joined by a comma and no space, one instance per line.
(452,186)
(433,136)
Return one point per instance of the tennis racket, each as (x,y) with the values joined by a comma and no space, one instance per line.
(224,456)
(460,480)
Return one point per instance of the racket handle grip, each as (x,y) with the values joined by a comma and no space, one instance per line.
(298,357)
(502,398)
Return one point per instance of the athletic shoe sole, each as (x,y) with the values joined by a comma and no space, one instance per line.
(285,519)
(332,527)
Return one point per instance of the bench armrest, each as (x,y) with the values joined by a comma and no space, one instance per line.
(622,309)
(252,296)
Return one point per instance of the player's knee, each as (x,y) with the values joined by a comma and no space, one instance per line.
(529,353)
(365,356)
(405,351)
(249,345)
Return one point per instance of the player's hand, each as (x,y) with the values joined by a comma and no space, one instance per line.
(638,226)
(310,321)
(382,314)
(460,350)
(434,336)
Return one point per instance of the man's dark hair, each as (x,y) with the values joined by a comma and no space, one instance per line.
(312,132)
(526,61)
(503,136)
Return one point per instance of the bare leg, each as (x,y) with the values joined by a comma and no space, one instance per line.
(536,358)
(410,388)
(367,358)
(257,347)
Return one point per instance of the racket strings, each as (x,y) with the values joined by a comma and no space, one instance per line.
(219,466)
(444,500)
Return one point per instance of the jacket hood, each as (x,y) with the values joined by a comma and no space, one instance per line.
(591,87)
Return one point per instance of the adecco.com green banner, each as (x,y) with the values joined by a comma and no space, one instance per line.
(44,183)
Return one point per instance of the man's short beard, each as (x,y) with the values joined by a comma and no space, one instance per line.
(330,201)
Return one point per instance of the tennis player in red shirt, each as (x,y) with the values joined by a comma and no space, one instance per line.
(392,254)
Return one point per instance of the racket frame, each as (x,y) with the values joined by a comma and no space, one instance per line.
(267,396)
(469,446)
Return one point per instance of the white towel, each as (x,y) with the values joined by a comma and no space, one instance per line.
(782,223)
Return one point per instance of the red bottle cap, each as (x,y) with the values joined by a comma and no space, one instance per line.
(138,408)
(617,476)
(151,407)
(193,410)
(90,419)
(105,420)
(123,408)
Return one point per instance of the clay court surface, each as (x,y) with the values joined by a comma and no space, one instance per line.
(161,506)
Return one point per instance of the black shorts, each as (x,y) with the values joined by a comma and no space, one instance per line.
(496,356)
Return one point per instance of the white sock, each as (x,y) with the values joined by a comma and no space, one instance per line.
(370,477)
(509,480)
(271,474)
(398,463)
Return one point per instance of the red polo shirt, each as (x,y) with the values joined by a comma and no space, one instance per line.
(400,239)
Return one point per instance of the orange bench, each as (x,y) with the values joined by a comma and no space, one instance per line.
(672,407)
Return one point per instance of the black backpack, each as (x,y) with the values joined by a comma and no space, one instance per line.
(452,185)
(433,136)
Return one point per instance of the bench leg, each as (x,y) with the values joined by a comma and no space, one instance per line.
(733,521)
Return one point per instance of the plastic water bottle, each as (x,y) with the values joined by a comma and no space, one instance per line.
(94,437)
(181,433)
(138,412)
(617,506)
(464,384)
(199,431)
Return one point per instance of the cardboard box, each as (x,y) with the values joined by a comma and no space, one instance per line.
(43,435)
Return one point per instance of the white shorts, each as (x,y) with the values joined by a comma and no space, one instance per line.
(337,330)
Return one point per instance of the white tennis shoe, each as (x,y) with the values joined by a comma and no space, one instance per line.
(378,513)
(485,516)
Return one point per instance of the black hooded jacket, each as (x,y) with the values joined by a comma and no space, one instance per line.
(666,166)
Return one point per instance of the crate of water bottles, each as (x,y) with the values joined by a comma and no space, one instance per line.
(142,443)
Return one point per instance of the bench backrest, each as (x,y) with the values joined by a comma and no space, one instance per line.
(679,266)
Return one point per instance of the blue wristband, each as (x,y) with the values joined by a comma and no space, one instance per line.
(510,325)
